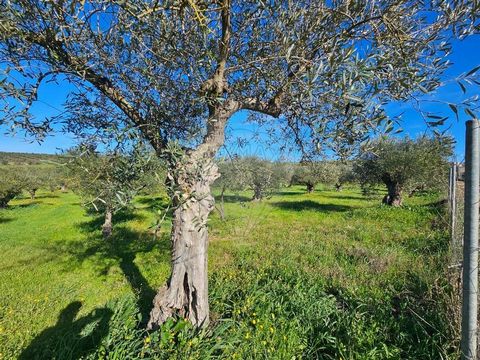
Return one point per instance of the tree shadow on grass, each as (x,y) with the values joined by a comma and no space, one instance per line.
(70,338)
(311,205)
(122,249)
(46,196)
(290,193)
(232,198)
(5,220)
(31,203)
(348,197)
(158,202)
(118,218)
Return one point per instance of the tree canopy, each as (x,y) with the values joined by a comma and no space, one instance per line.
(108,181)
(165,66)
(405,165)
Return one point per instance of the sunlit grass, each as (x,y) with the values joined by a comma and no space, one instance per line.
(325,275)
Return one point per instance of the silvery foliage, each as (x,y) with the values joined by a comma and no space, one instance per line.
(324,68)
(413,164)
(109,179)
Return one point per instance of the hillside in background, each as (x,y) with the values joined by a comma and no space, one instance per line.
(12,158)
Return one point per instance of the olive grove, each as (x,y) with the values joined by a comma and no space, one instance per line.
(250,173)
(177,71)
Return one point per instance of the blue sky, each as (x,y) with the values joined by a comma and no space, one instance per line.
(464,57)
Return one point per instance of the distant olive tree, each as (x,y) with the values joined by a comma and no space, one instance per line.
(313,173)
(108,181)
(11,184)
(345,174)
(57,177)
(177,71)
(405,165)
(262,177)
(36,177)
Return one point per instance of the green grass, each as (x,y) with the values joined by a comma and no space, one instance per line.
(328,275)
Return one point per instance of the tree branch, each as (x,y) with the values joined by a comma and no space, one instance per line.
(103,84)
(217,85)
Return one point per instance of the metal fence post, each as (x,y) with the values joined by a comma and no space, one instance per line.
(453,205)
(470,248)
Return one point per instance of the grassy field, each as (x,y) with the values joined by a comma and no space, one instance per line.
(328,275)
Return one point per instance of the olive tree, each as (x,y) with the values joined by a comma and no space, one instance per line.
(405,165)
(312,173)
(178,70)
(345,174)
(11,184)
(262,177)
(108,181)
(56,177)
(36,177)
(250,173)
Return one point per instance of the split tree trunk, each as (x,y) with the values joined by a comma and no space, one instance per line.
(32,193)
(107,225)
(186,293)
(394,196)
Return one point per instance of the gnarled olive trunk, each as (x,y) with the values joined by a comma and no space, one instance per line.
(394,196)
(257,193)
(186,293)
(6,198)
(107,225)
(188,181)
(310,187)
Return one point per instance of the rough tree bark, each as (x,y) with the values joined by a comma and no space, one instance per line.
(107,225)
(6,199)
(186,293)
(338,187)
(394,196)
